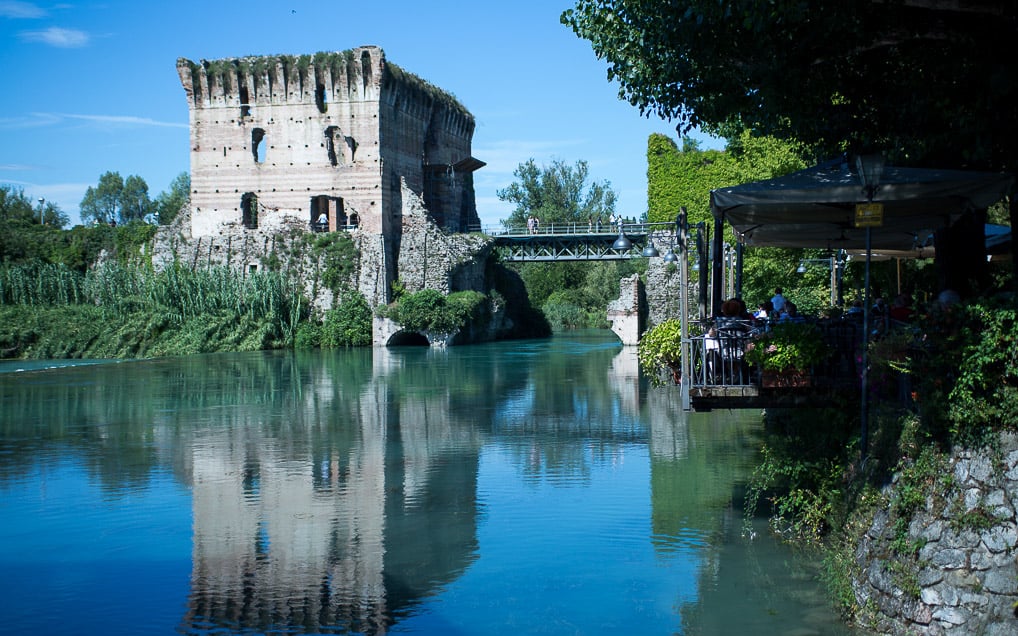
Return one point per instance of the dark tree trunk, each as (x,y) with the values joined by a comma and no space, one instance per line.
(1013,209)
(961,255)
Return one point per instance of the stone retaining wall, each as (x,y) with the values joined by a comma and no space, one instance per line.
(964,579)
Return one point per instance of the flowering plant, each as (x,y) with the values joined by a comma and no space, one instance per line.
(788,345)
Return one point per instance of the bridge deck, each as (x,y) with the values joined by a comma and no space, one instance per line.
(576,241)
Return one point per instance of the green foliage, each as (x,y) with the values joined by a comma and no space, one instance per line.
(16,208)
(577,293)
(170,202)
(429,310)
(115,200)
(968,387)
(986,391)
(978,519)
(805,493)
(349,324)
(788,345)
(134,200)
(558,193)
(661,351)
(308,336)
(262,309)
(101,204)
(336,256)
(565,309)
(728,66)
(684,178)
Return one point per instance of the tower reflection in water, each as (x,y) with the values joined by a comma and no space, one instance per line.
(334,508)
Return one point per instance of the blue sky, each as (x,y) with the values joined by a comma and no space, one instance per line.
(91,87)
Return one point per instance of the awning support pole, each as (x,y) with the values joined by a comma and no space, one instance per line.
(864,416)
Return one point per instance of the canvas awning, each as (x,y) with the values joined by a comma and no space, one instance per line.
(816,207)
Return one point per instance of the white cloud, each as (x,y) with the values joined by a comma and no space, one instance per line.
(21,10)
(55,36)
(126,120)
(36,120)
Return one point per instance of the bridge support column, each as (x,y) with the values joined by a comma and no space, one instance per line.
(627,314)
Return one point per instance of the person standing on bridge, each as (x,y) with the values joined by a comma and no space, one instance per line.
(530,224)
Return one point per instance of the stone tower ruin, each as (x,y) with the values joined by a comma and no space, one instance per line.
(279,139)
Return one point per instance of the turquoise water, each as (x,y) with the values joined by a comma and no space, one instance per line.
(524,487)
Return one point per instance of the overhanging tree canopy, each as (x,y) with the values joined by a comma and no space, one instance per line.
(928,82)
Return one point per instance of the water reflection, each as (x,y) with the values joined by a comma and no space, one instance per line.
(513,485)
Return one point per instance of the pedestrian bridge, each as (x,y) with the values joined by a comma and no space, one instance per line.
(577,242)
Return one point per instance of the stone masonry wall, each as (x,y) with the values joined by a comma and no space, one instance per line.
(662,284)
(432,259)
(964,579)
(626,311)
(332,133)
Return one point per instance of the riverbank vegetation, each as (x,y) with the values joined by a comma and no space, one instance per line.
(951,383)
(570,295)
(125,311)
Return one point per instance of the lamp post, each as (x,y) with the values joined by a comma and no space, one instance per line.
(682,231)
(870,169)
(834,265)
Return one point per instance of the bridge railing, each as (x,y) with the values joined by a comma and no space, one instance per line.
(574,228)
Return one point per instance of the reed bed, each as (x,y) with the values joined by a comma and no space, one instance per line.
(179,293)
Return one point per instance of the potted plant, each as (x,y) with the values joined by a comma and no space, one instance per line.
(786,353)
(660,352)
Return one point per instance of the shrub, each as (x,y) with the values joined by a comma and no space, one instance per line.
(349,324)
(661,350)
(788,345)
(429,310)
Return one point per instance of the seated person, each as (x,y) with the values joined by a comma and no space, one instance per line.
(791,313)
(900,309)
(725,343)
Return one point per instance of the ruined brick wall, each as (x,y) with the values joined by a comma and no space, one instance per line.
(282,137)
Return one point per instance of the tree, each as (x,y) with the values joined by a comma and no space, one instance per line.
(928,82)
(15,206)
(134,201)
(558,193)
(169,202)
(102,203)
(115,199)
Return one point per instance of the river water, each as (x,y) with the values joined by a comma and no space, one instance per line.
(535,487)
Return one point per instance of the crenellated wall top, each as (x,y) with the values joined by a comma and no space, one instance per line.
(359,74)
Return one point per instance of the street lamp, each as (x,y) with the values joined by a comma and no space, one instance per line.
(622,243)
(832,263)
(870,169)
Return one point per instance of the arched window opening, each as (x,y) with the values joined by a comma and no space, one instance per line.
(245,107)
(320,98)
(366,70)
(249,210)
(257,147)
(330,144)
(327,213)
